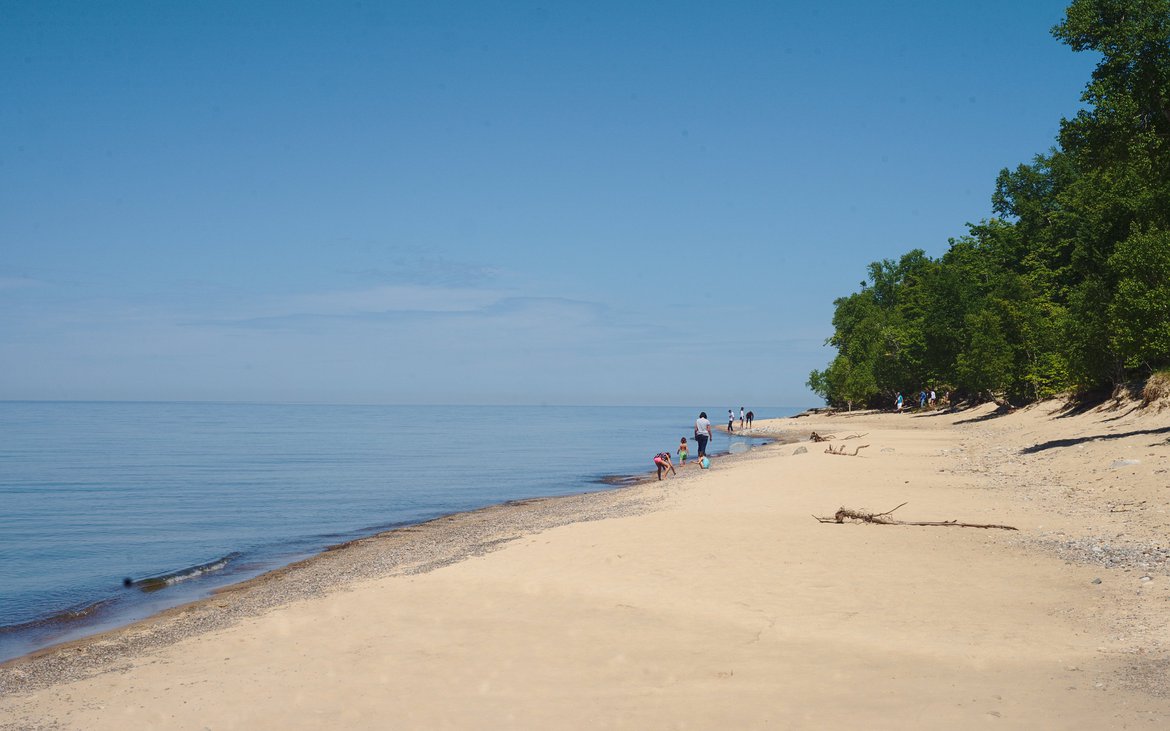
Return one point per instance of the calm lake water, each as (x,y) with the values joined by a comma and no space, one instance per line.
(200,495)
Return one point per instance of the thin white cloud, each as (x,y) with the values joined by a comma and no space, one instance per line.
(13,283)
(428,310)
(392,298)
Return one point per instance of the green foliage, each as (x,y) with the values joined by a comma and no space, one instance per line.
(843,383)
(818,383)
(1139,314)
(1048,375)
(984,366)
(1070,287)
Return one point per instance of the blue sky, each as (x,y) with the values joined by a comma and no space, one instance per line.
(487,202)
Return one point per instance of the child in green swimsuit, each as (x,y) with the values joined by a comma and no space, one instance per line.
(682,452)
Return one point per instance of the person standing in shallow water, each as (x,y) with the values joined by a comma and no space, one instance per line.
(702,433)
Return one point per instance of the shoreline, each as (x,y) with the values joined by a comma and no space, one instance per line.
(109,614)
(709,599)
(273,499)
(412,548)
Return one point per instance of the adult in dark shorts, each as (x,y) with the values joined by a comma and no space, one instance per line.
(750,416)
(702,433)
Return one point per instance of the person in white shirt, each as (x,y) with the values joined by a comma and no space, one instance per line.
(702,433)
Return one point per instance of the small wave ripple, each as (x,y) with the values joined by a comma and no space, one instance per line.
(161,581)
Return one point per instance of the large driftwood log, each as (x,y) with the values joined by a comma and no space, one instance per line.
(860,516)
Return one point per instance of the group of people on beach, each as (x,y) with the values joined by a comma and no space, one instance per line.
(662,460)
(743,419)
(926,399)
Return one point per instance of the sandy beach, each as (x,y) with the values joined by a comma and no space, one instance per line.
(713,599)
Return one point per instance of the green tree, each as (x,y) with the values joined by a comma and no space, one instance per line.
(985,365)
(1069,287)
(1119,149)
(1139,315)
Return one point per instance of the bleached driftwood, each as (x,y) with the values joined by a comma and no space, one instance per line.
(841,450)
(860,516)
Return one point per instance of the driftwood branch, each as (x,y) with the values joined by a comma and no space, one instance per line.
(860,516)
(814,437)
(882,515)
(841,450)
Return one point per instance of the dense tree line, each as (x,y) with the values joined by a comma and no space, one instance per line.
(1067,288)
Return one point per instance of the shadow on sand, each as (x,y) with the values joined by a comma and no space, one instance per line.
(1001,411)
(1057,443)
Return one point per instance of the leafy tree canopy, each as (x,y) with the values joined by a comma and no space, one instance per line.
(1069,286)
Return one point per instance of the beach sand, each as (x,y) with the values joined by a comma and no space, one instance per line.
(709,600)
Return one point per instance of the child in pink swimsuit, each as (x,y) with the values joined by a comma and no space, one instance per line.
(662,462)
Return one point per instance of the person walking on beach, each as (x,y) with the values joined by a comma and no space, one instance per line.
(662,462)
(682,452)
(741,417)
(702,433)
(730,422)
(898,401)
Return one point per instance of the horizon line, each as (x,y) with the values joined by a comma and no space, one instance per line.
(357,403)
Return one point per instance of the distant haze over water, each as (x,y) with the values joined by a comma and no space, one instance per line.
(183,497)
